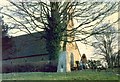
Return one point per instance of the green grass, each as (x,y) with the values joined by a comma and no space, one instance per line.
(75,75)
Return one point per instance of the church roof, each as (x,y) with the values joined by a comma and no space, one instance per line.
(24,45)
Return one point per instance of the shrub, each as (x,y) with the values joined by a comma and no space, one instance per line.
(42,66)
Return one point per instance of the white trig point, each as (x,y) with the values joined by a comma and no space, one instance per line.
(63,65)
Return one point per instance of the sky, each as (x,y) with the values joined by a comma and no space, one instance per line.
(84,49)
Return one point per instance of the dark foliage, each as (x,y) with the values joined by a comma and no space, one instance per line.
(29,68)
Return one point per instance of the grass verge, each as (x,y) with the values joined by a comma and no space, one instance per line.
(74,75)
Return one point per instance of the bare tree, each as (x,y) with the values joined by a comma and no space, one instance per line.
(4,27)
(106,43)
(53,18)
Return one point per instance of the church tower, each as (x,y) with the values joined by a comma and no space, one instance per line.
(73,53)
(70,54)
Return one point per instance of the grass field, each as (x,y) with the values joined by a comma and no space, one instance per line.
(75,75)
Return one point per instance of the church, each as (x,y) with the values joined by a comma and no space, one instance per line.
(31,50)
(28,53)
